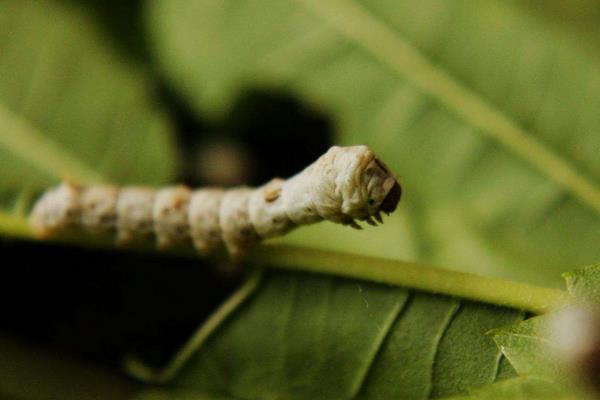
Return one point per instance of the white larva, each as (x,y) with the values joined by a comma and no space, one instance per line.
(344,185)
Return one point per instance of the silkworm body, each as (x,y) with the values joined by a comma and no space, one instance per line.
(344,185)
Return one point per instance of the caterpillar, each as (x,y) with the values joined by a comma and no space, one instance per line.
(344,185)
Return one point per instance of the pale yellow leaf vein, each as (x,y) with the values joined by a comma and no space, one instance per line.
(24,140)
(362,28)
(531,337)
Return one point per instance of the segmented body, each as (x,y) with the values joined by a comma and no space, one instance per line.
(344,185)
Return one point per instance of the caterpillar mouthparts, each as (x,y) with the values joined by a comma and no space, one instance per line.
(344,185)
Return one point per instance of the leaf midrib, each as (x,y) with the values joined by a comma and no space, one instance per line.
(412,275)
(357,25)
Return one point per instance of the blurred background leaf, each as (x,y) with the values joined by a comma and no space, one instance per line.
(414,80)
(71,107)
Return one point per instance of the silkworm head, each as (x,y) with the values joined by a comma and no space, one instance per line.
(370,186)
(383,190)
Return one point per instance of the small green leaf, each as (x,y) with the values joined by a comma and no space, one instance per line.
(584,283)
(530,345)
(529,348)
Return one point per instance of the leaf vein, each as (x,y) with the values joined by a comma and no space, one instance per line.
(390,324)
(24,140)
(452,313)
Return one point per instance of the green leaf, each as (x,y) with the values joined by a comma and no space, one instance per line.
(71,107)
(486,109)
(343,338)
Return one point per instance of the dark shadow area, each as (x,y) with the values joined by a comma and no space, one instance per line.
(274,133)
(104,304)
(283,134)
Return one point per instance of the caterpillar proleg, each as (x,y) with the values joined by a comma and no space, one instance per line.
(344,185)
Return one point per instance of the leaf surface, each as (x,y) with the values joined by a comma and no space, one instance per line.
(354,340)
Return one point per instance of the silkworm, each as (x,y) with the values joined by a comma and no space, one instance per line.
(344,185)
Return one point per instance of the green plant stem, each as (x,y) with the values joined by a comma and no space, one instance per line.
(415,276)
